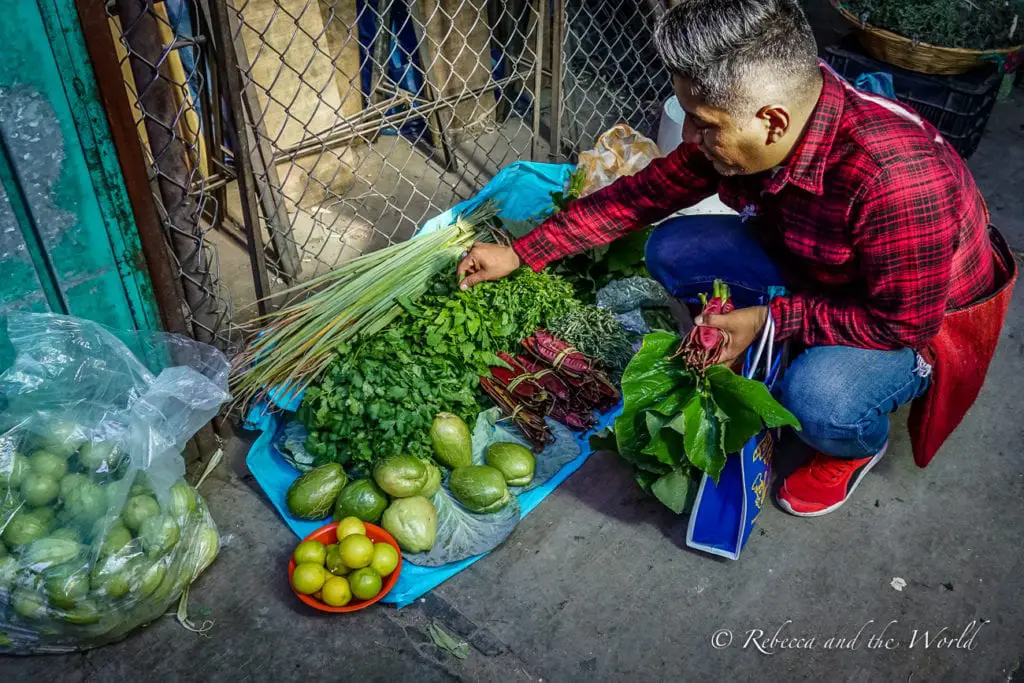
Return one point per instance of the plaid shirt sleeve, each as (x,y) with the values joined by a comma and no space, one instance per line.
(905,231)
(666,185)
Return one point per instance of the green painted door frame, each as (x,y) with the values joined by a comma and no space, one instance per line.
(68,240)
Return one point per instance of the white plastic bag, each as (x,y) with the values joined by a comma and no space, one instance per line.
(620,151)
(99,533)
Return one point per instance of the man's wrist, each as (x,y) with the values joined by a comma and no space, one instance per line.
(786,320)
(523,256)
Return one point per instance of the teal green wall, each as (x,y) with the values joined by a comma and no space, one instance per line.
(68,242)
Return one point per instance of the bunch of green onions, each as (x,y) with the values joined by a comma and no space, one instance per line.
(292,346)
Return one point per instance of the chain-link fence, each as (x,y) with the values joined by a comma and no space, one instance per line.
(362,118)
(368,116)
(164,64)
(611,71)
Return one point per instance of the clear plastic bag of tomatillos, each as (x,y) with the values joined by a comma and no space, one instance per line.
(99,533)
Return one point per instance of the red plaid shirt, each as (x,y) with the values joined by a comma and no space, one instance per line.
(875,220)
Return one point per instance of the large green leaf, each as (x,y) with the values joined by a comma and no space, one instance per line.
(743,422)
(734,390)
(648,379)
(630,437)
(632,440)
(650,375)
(666,446)
(626,252)
(654,423)
(704,434)
(676,490)
(670,405)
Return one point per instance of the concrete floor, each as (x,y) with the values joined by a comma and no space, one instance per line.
(597,585)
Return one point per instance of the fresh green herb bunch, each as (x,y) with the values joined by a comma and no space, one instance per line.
(471,326)
(598,334)
(968,24)
(379,397)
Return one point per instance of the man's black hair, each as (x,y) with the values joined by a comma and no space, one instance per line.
(731,50)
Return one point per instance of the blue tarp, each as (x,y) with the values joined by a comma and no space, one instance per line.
(522,190)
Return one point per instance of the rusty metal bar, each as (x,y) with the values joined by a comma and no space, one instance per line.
(438,122)
(103,55)
(231,83)
(254,145)
(557,39)
(145,54)
(538,78)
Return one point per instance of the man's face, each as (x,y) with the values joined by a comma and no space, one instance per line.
(734,145)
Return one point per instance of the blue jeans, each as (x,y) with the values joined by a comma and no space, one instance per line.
(842,395)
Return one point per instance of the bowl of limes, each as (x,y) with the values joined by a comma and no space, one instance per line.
(345,566)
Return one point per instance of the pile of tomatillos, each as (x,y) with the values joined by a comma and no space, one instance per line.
(90,545)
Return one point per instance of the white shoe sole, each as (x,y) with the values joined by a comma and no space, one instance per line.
(784,504)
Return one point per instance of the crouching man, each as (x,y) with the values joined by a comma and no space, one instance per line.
(851,206)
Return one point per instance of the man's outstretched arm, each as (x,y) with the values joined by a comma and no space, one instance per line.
(666,185)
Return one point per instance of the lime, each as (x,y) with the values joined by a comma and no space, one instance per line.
(385,558)
(334,563)
(336,592)
(349,526)
(310,552)
(309,577)
(365,583)
(356,551)
(83,613)
(28,604)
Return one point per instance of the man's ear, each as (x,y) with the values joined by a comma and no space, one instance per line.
(776,121)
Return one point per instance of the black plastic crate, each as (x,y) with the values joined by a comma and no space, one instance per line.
(959,106)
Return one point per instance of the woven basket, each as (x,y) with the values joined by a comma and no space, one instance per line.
(897,50)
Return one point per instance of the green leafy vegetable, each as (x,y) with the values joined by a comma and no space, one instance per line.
(970,24)
(676,490)
(678,421)
(597,333)
(298,342)
(591,270)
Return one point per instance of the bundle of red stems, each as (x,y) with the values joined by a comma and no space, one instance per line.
(555,380)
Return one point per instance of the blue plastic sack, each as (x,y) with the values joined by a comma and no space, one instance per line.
(724,514)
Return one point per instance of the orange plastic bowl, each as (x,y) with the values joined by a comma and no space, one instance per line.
(328,535)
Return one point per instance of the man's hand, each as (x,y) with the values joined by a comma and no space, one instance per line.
(487,262)
(741,328)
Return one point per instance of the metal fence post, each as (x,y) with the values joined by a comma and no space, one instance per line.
(142,37)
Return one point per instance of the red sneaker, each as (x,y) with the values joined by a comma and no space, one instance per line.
(823,484)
